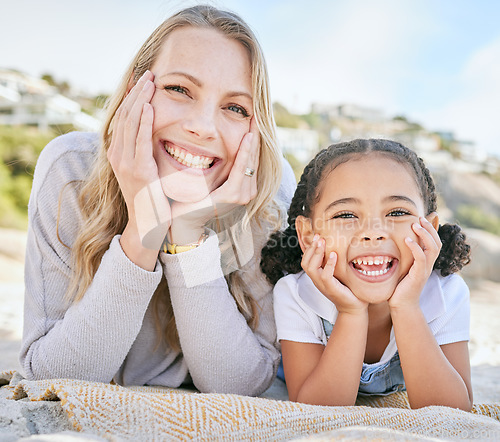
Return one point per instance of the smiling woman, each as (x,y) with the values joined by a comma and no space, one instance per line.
(203,104)
(144,244)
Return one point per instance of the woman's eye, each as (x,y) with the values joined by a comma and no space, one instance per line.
(176,88)
(239,110)
(399,212)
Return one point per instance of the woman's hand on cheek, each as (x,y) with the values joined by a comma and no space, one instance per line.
(241,185)
(238,190)
(131,157)
(312,263)
(425,253)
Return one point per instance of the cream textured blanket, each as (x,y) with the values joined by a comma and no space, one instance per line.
(147,413)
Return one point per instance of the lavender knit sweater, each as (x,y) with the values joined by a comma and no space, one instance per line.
(110,333)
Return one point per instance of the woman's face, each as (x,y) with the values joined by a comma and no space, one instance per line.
(202,109)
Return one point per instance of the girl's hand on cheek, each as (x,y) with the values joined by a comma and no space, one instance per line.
(131,157)
(425,253)
(312,263)
(238,190)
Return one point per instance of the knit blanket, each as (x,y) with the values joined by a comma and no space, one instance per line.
(154,413)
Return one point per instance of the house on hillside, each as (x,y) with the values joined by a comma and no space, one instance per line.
(30,101)
(303,144)
(349,111)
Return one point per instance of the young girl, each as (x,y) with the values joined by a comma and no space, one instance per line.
(187,152)
(377,307)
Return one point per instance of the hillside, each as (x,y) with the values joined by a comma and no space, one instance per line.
(459,189)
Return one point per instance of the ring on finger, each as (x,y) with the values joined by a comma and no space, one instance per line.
(249,171)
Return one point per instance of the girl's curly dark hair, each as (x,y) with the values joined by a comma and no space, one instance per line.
(282,253)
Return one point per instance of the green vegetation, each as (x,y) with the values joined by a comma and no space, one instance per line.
(297,166)
(62,86)
(284,118)
(411,126)
(19,150)
(473,216)
(493,176)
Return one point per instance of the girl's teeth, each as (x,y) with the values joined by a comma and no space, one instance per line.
(373,273)
(188,159)
(375,260)
(371,261)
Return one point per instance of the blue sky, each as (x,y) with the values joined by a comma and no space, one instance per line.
(435,61)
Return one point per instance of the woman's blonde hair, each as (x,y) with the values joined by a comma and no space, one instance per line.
(101,201)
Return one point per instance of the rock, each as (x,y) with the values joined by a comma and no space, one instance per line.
(469,189)
(485,256)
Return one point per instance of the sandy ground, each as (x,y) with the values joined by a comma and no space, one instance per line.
(485,320)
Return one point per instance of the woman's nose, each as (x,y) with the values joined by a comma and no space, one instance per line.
(201,122)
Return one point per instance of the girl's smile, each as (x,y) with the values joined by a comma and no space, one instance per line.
(374,268)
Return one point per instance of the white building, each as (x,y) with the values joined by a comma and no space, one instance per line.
(349,111)
(26,100)
(303,144)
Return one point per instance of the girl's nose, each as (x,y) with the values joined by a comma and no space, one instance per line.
(373,231)
(370,238)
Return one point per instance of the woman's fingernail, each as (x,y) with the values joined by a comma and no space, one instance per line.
(315,238)
(147,85)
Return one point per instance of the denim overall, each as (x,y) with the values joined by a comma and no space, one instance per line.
(380,379)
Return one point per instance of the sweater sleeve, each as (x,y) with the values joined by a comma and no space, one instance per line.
(88,339)
(222,352)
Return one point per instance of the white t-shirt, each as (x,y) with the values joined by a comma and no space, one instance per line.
(299,308)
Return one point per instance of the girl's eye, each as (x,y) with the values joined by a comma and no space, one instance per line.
(399,212)
(239,110)
(176,88)
(344,215)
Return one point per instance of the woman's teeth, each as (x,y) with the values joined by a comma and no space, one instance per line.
(383,263)
(189,160)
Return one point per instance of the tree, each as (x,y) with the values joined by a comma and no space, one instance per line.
(49,79)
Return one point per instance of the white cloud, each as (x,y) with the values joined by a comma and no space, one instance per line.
(350,51)
(474,114)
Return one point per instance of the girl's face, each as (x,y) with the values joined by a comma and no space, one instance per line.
(365,211)
(202,105)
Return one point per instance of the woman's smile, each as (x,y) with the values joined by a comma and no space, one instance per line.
(187,158)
